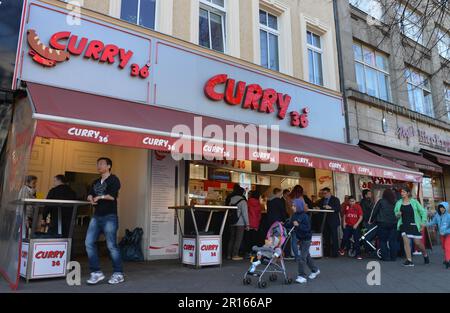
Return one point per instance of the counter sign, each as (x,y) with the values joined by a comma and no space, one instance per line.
(64,44)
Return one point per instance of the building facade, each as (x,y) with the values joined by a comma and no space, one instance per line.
(396,84)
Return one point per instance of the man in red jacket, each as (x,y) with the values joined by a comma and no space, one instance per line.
(353,216)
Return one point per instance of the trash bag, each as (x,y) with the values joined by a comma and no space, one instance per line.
(130,245)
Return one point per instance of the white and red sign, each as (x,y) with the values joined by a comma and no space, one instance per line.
(316,248)
(210,251)
(49,259)
(188,256)
(24,259)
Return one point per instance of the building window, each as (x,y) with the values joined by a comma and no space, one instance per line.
(141,12)
(314,46)
(212,24)
(371,7)
(443,44)
(410,23)
(269,35)
(419,92)
(372,72)
(447,100)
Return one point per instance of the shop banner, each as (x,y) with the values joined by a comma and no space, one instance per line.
(163,143)
(14,161)
(164,238)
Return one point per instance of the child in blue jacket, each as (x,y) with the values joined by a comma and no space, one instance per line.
(442,220)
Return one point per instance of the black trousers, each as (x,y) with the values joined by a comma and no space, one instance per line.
(331,244)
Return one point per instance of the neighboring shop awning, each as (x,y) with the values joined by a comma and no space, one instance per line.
(437,157)
(73,115)
(408,159)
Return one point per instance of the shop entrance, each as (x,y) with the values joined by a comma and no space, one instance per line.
(77,162)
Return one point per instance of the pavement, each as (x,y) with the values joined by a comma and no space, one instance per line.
(337,275)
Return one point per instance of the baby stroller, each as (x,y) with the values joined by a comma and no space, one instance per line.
(270,256)
(367,242)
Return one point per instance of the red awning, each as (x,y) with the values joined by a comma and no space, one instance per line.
(438,157)
(73,115)
(411,160)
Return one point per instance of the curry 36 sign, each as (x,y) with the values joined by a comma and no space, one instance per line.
(63,44)
(253,97)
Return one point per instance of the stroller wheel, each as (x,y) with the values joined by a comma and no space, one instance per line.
(262,284)
(379,254)
(247,281)
(288,281)
(273,277)
(352,253)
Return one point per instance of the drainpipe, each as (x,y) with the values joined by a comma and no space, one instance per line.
(342,82)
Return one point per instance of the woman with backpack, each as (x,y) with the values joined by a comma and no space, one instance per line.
(384,217)
(238,223)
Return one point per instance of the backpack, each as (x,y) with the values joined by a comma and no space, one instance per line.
(233,215)
(130,245)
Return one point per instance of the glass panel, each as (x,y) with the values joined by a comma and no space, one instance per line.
(411,97)
(263,17)
(360,77)
(273,44)
(311,65)
(316,41)
(203,39)
(318,68)
(128,11)
(357,52)
(147,13)
(309,39)
(383,82)
(369,56)
(382,62)
(273,21)
(428,103)
(216,32)
(220,3)
(419,100)
(264,49)
(371,82)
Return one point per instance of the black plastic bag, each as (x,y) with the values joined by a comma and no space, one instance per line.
(130,245)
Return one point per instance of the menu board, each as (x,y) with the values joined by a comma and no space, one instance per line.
(163,226)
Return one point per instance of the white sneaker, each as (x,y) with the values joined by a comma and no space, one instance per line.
(95,278)
(301,280)
(116,278)
(314,275)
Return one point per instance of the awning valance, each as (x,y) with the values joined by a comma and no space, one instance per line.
(73,115)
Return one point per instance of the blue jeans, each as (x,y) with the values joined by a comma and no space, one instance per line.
(107,225)
(349,232)
(294,246)
(388,234)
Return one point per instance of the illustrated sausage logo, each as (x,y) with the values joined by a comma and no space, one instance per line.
(42,54)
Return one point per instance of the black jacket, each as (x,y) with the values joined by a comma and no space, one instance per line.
(367,207)
(383,214)
(303,230)
(333,219)
(276,211)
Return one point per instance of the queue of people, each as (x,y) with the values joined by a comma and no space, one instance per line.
(394,222)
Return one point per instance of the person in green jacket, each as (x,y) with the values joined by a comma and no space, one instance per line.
(412,219)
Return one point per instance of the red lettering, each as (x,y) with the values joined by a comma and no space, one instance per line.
(109,53)
(283,105)
(268,100)
(55,38)
(211,85)
(124,57)
(231,97)
(49,254)
(73,49)
(209,247)
(252,97)
(94,49)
